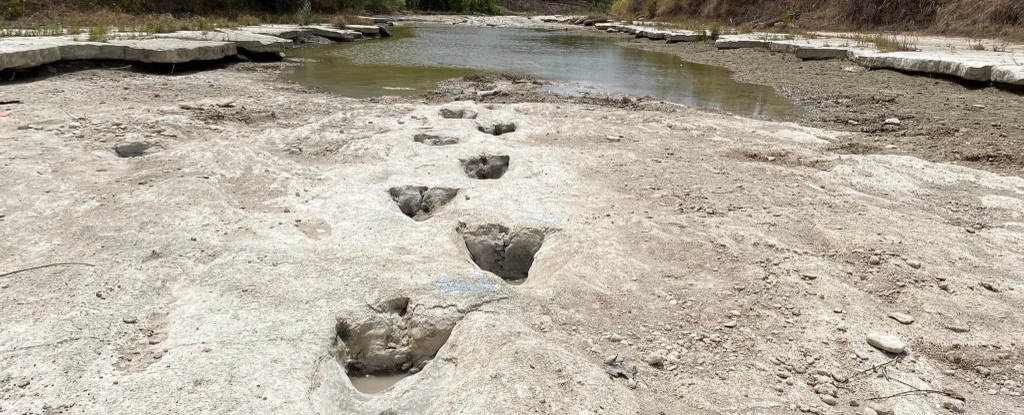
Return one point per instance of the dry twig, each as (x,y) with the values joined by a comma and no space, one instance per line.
(46,266)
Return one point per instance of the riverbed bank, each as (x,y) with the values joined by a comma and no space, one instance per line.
(223,235)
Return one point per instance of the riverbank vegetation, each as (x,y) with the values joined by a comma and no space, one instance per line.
(973,18)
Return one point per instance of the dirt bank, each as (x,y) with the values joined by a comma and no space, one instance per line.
(940,119)
(253,247)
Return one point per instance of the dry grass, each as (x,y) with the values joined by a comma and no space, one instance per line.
(971,18)
(342,21)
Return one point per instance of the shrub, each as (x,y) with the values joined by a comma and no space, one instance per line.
(305,14)
(98,33)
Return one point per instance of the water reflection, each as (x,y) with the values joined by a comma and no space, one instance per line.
(415,59)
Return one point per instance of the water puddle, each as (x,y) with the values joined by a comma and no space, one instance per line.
(376,384)
(415,59)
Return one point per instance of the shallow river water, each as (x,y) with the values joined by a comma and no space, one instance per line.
(415,59)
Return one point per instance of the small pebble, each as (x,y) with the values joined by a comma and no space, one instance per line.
(954,406)
(874,260)
(130,319)
(888,343)
(882,409)
(902,317)
(915,264)
(989,286)
(957,328)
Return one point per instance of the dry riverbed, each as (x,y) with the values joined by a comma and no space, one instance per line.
(940,119)
(263,237)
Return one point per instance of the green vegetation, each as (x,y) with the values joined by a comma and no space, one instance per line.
(305,14)
(456,6)
(888,43)
(98,33)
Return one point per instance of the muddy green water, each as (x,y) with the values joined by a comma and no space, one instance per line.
(376,384)
(415,59)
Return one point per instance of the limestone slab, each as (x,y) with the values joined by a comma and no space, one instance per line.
(175,50)
(246,41)
(740,42)
(683,36)
(961,65)
(336,34)
(1007,74)
(281,31)
(366,30)
(16,53)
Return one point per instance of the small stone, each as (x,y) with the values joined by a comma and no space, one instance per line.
(869,411)
(882,409)
(730,324)
(874,260)
(989,286)
(902,317)
(610,359)
(615,338)
(632,383)
(957,328)
(885,342)
(829,399)
(23,383)
(655,359)
(915,264)
(892,121)
(982,370)
(954,406)
(129,319)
